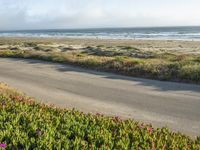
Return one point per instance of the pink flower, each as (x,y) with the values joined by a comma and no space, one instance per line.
(117,117)
(153,145)
(98,114)
(150,130)
(142,126)
(3,146)
(18,98)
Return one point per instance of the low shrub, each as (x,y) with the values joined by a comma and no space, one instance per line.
(163,66)
(30,44)
(190,72)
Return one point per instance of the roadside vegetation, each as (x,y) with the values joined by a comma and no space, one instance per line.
(127,60)
(27,124)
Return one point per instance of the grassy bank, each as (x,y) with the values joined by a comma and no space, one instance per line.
(126,60)
(26,124)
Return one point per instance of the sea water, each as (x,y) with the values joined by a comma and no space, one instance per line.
(148,33)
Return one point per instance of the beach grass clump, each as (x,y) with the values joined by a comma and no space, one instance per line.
(30,44)
(190,72)
(27,124)
(197,59)
(126,60)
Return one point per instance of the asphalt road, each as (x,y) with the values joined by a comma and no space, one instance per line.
(174,105)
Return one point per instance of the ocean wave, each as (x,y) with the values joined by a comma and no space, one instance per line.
(187,33)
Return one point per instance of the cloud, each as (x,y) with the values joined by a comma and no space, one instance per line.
(45,14)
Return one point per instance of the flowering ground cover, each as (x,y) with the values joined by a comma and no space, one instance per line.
(27,124)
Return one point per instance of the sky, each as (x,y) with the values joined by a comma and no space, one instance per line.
(59,14)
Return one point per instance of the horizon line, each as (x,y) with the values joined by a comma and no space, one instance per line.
(93,28)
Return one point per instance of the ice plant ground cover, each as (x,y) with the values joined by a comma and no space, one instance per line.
(27,124)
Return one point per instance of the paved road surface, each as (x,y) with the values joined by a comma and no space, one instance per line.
(174,105)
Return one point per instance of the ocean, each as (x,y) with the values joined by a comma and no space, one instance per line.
(147,33)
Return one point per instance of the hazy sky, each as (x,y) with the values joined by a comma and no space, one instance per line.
(40,14)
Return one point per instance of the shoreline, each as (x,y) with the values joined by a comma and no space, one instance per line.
(100,38)
(95,40)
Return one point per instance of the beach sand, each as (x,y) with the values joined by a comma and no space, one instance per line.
(158,45)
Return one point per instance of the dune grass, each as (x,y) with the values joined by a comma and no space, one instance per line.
(126,60)
(26,124)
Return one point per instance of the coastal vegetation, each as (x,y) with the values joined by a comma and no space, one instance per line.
(27,124)
(157,64)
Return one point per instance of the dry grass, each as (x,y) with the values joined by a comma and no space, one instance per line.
(126,60)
